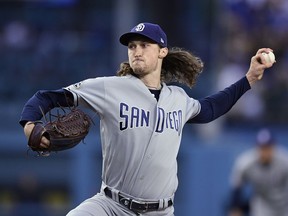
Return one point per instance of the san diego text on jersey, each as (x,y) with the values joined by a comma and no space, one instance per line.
(133,117)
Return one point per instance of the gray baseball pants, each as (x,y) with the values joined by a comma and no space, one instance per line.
(100,205)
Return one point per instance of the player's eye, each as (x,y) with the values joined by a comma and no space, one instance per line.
(144,44)
(131,46)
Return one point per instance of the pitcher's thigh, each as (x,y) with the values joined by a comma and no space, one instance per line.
(95,206)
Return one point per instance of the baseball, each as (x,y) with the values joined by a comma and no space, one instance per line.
(269,57)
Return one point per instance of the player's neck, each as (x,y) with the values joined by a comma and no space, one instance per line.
(152,81)
(153,86)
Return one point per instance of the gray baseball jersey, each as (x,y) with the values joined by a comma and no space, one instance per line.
(269,183)
(140,137)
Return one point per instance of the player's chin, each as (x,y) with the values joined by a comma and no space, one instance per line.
(138,71)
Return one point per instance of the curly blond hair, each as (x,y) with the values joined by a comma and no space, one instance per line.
(179,66)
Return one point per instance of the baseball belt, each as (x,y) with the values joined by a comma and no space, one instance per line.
(138,206)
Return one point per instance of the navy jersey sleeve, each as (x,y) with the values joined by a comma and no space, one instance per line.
(45,100)
(238,201)
(220,103)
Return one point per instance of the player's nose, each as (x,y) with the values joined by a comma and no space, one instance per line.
(138,51)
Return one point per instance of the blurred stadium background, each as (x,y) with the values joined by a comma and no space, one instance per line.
(48,44)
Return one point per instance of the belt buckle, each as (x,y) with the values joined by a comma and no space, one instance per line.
(126,202)
(142,207)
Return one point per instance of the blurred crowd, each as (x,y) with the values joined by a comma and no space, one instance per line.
(247,25)
(49,47)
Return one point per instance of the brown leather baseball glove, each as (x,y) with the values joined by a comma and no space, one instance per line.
(65,132)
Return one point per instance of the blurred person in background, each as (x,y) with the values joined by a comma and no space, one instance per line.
(264,170)
(246,25)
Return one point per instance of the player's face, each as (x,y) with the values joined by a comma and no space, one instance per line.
(266,154)
(143,56)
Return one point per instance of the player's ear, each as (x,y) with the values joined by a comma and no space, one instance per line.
(163,52)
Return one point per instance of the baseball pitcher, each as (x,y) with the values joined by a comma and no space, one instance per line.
(142,118)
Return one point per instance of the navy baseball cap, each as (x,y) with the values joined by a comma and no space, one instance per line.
(265,138)
(149,30)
